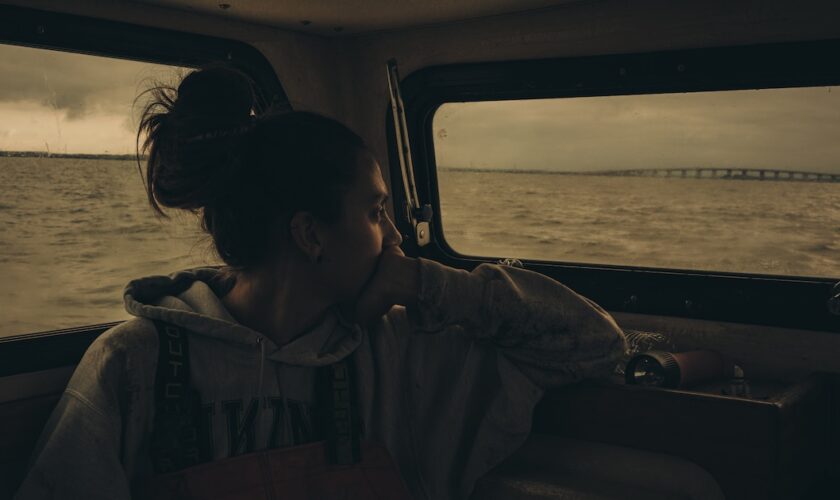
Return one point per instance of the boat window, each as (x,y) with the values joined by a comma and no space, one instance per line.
(74,216)
(741,181)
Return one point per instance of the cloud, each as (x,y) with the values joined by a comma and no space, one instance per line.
(72,102)
(31,127)
(779,128)
(74,84)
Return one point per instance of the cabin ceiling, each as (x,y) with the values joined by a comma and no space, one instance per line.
(341,17)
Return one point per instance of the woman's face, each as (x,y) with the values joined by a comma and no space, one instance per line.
(352,245)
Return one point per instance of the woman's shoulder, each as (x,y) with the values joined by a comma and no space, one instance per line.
(123,358)
(130,343)
(132,334)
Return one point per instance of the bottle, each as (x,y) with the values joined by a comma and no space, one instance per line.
(678,369)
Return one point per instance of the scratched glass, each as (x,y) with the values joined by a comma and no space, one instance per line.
(741,181)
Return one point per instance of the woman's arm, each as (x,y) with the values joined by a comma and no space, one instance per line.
(461,368)
(551,333)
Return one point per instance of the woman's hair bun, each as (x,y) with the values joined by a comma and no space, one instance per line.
(214,98)
(195,137)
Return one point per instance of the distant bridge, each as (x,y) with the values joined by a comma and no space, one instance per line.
(758,174)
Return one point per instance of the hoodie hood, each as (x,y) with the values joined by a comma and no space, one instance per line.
(191,299)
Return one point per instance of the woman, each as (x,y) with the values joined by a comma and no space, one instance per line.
(448,364)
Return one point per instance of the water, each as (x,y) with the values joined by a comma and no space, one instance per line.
(74,232)
(745,226)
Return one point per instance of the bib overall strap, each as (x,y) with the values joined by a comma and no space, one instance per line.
(175,437)
(344,426)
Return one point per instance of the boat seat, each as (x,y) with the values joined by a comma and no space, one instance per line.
(552,467)
(26,402)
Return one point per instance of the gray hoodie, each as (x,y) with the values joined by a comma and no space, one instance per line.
(449,386)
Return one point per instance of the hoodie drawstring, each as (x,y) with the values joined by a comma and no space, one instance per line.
(262,365)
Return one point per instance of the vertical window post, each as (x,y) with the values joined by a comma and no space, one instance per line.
(418,215)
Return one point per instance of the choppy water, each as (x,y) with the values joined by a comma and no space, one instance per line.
(766,227)
(74,232)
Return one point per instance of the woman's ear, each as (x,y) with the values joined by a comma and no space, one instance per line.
(305,235)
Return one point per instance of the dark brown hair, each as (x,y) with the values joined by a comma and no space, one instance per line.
(245,174)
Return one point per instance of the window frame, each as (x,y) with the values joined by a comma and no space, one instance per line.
(781,301)
(27,27)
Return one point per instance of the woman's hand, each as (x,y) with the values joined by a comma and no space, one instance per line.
(395,282)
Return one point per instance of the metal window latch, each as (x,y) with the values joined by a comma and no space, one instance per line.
(834,300)
(419,215)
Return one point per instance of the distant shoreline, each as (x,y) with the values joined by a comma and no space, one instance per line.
(721,173)
(81,156)
(508,170)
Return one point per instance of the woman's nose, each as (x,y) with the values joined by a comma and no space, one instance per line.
(392,236)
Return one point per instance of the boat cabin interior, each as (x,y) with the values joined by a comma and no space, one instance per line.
(675,162)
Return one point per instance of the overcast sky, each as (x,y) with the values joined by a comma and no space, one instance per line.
(83,104)
(71,102)
(795,129)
